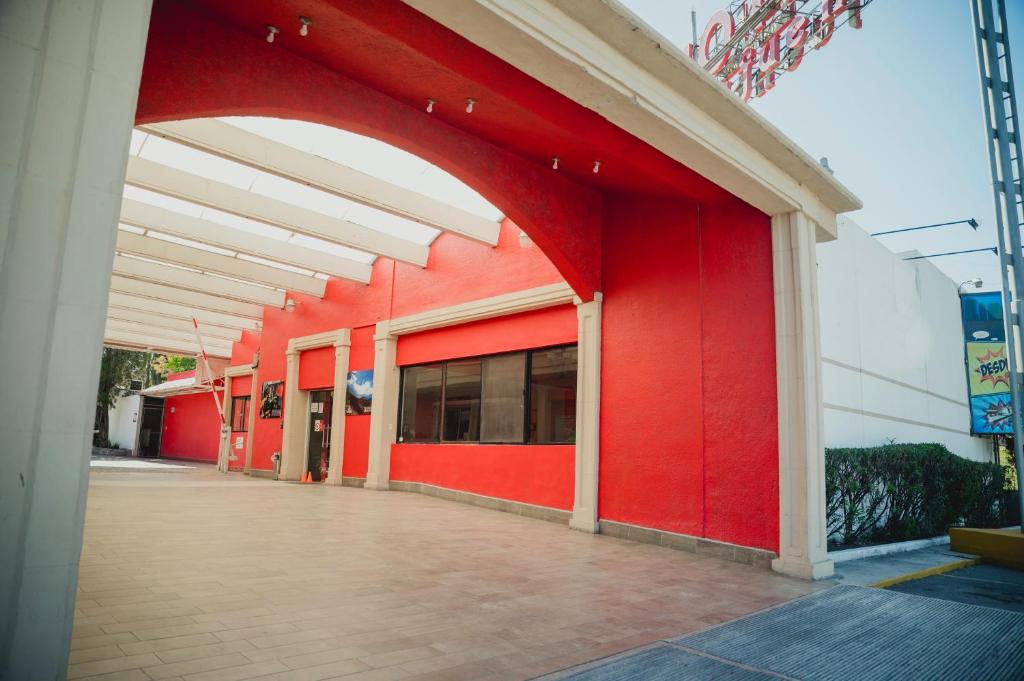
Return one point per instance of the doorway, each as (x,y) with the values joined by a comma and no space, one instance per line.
(151,426)
(318,452)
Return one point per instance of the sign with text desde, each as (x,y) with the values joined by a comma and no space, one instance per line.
(750,43)
(988,372)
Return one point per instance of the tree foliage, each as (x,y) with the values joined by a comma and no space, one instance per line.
(172,364)
(118,368)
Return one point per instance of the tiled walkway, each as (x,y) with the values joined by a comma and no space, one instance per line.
(190,574)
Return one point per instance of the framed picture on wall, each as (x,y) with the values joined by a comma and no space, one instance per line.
(359,392)
(271,399)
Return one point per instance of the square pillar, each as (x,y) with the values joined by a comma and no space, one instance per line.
(588,415)
(803,551)
(342,347)
(293,421)
(71,81)
(254,396)
(384,414)
(224,452)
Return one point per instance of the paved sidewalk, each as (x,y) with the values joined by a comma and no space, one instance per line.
(190,574)
(884,571)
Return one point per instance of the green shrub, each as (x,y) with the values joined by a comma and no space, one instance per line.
(898,492)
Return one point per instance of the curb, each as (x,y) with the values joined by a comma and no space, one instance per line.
(927,572)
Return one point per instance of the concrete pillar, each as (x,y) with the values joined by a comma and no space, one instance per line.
(803,551)
(293,439)
(341,352)
(384,414)
(588,414)
(254,397)
(224,452)
(69,81)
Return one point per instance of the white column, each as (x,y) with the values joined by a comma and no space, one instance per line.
(254,397)
(294,422)
(384,412)
(342,346)
(803,551)
(588,414)
(224,452)
(70,80)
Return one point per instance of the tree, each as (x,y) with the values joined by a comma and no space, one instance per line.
(117,370)
(172,364)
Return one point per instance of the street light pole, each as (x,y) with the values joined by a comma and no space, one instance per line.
(1003,136)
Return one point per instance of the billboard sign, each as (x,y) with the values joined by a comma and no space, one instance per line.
(988,372)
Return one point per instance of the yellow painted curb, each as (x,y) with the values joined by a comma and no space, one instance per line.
(927,572)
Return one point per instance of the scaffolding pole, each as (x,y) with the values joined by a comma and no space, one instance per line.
(1004,148)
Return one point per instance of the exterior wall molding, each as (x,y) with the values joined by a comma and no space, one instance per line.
(526,300)
(588,415)
(386,376)
(293,440)
(685,542)
(803,550)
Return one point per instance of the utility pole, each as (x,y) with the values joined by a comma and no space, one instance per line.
(1003,135)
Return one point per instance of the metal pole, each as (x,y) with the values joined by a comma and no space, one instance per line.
(1004,146)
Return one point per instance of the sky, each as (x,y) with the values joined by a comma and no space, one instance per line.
(896,108)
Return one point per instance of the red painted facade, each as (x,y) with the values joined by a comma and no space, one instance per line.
(191,428)
(688,411)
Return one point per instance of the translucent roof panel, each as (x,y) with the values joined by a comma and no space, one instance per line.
(373,157)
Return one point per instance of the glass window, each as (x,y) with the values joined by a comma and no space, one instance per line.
(553,396)
(240,414)
(462,401)
(421,403)
(503,398)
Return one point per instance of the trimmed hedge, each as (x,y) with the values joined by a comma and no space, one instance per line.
(898,492)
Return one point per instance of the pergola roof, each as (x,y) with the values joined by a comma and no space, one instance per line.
(222,217)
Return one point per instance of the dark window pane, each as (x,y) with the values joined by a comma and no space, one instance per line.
(553,396)
(421,403)
(240,414)
(503,397)
(462,401)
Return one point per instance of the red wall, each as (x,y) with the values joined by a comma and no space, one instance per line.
(688,394)
(458,271)
(688,370)
(191,428)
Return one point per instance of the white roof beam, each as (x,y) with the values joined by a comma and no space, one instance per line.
(146,216)
(163,179)
(146,320)
(161,344)
(242,146)
(114,325)
(203,301)
(167,251)
(179,311)
(158,273)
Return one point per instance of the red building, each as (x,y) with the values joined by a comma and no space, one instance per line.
(671,237)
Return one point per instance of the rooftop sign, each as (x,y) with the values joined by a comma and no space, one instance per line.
(751,43)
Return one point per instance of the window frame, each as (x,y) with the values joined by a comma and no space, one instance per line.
(527,397)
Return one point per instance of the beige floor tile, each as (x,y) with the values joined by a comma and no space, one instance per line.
(283,581)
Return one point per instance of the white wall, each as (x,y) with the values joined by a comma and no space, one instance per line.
(892,350)
(124,421)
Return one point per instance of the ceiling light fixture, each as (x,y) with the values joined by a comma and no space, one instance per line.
(304,28)
(469,104)
(554,163)
(271,32)
(430,105)
(597,167)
